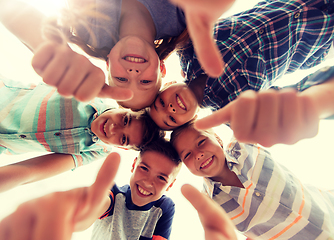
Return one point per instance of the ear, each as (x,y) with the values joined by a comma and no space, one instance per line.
(219,140)
(170,185)
(133,165)
(167,84)
(107,62)
(163,69)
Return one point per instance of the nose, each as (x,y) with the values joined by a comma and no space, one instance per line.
(113,127)
(199,155)
(133,71)
(170,108)
(148,182)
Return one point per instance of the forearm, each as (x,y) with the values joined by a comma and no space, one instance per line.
(34,169)
(322,96)
(24,21)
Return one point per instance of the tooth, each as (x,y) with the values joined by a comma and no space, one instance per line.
(180,102)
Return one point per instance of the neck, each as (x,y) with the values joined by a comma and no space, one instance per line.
(136,21)
(228,178)
(197,86)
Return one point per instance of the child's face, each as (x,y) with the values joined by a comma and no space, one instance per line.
(152,174)
(134,64)
(200,152)
(118,127)
(174,106)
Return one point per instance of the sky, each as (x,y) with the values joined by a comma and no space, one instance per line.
(309,159)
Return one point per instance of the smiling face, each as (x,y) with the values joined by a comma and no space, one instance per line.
(134,64)
(118,127)
(200,152)
(152,174)
(174,106)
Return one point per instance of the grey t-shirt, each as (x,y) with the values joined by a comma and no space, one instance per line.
(169,21)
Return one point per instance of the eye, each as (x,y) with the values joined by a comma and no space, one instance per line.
(121,79)
(162,102)
(162,178)
(201,142)
(173,119)
(125,120)
(186,156)
(145,81)
(144,168)
(123,140)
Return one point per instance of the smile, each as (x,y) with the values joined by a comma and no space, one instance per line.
(143,191)
(180,102)
(134,59)
(207,163)
(103,128)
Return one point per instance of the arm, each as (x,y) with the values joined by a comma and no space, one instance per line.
(201,16)
(58,215)
(283,116)
(34,169)
(23,20)
(216,223)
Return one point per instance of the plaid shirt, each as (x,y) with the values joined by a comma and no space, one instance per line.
(273,204)
(38,119)
(262,44)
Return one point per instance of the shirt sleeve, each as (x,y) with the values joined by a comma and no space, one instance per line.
(110,210)
(164,225)
(88,157)
(319,77)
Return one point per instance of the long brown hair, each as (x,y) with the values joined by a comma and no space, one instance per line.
(62,29)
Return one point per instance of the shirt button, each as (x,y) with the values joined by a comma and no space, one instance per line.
(57,134)
(232,50)
(261,31)
(23,136)
(297,15)
(257,194)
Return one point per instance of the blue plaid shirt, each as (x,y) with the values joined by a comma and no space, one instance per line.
(262,44)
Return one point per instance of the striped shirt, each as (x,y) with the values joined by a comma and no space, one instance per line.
(38,119)
(273,204)
(126,221)
(262,44)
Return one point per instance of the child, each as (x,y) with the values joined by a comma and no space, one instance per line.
(263,199)
(39,119)
(135,211)
(122,33)
(266,117)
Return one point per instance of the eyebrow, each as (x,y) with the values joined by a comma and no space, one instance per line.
(129,124)
(155,106)
(161,173)
(194,141)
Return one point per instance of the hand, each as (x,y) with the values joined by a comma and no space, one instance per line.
(268,117)
(201,16)
(73,74)
(216,223)
(57,215)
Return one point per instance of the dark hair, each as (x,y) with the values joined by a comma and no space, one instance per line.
(151,131)
(164,147)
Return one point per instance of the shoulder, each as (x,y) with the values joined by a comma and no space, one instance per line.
(166,204)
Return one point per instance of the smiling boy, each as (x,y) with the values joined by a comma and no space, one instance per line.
(140,210)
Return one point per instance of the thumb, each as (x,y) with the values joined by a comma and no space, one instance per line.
(115,93)
(217,118)
(205,47)
(105,178)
